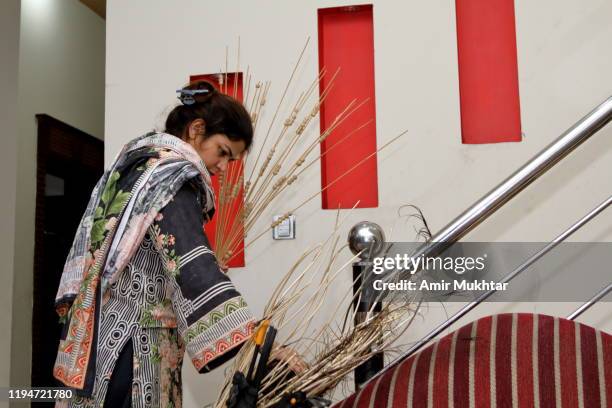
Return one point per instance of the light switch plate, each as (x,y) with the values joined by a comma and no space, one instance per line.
(284,230)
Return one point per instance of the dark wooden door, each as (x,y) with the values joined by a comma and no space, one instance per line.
(70,162)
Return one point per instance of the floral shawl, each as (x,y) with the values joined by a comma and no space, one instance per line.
(144,177)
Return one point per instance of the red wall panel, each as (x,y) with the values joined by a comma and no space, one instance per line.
(346,41)
(488,71)
(226,85)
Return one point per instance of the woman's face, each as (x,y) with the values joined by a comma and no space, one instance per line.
(215,150)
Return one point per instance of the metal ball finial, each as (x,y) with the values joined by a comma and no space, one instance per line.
(368,237)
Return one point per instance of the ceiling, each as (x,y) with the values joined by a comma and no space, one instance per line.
(98,6)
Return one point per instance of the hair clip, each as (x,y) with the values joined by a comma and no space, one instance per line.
(187,95)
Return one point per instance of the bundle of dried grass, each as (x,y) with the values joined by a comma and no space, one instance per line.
(333,349)
(286,152)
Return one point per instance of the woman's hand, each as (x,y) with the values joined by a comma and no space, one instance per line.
(294,361)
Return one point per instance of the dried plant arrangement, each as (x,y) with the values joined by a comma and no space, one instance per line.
(287,150)
(332,349)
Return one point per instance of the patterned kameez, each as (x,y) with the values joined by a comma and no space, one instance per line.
(126,346)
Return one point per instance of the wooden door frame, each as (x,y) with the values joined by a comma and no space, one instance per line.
(61,142)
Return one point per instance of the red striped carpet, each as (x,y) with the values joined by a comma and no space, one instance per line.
(507,360)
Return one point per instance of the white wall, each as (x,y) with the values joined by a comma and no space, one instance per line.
(9,49)
(153,47)
(61,73)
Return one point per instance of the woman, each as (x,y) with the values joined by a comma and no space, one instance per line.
(140,283)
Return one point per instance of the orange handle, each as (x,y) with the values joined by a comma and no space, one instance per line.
(261,332)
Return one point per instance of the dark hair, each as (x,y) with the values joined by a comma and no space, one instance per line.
(221,114)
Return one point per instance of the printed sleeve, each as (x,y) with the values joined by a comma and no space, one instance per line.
(212,317)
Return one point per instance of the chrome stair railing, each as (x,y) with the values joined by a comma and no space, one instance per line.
(501,194)
(590,302)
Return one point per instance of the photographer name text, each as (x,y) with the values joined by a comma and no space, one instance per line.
(454,285)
